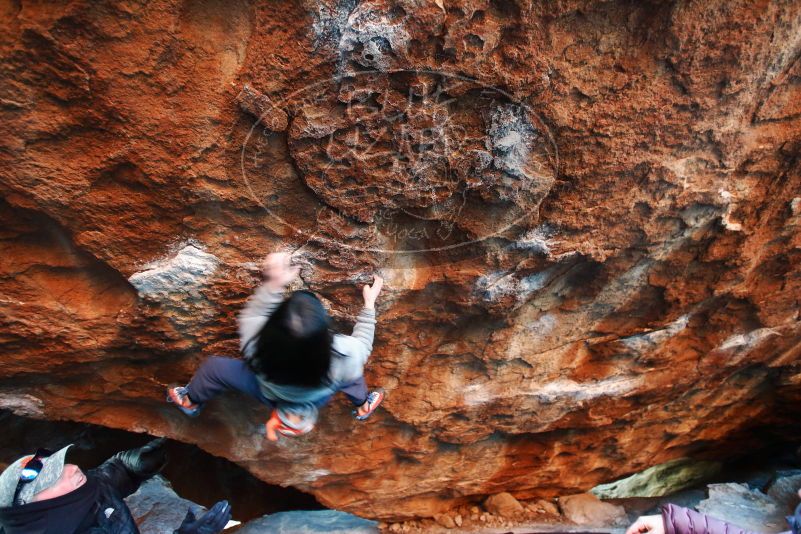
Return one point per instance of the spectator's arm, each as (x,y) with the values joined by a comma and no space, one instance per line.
(680,520)
(115,475)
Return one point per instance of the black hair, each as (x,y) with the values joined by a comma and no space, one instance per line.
(294,345)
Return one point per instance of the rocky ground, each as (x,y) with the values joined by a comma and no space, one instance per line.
(156,506)
(755,491)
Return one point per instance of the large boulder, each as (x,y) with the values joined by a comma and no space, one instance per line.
(663,479)
(784,489)
(587,509)
(503,504)
(744,507)
(310,522)
(587,213)
(157,508)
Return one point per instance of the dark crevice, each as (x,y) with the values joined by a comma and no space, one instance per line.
(193,473)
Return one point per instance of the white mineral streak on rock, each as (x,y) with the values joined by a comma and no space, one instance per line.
(329,21)
(795,206)
(543,324)
(314,474)
(654,338)
(511,138)
(538,239)
(370,32)
(727,198)
(564,389)
(186,271)
(561,390)
(22,404)
(747,341)
(499,284)
(476,394)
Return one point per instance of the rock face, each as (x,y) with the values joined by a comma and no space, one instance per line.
(587,509)
(157,508)
(664,479)
(587,213)
(503,504)
(310,522)
(747,508)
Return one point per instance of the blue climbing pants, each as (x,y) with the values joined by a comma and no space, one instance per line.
(219,374)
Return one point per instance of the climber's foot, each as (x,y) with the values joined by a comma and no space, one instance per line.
(179,396)
(275,426)
(373,400)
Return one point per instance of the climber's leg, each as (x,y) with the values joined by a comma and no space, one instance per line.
(218,374)
(366,403)
(355,391)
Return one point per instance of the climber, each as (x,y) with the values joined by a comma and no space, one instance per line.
(678,520)
(41,494)
(293,363)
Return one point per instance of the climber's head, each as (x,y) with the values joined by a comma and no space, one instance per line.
(294,346)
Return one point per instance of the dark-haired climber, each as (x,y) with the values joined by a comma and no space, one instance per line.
(293,362)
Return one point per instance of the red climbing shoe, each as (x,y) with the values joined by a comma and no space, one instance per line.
(179,396)
(279,426)
(373,400)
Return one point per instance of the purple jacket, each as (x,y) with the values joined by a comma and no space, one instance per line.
(680,520)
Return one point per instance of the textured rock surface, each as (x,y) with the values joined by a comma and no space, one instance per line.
(157,508)
(600,199)
(747,508)
(503,504)
(663,479)
(784,490)
(587,509)
(308,522)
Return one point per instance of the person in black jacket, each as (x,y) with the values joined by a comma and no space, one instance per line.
(41,494)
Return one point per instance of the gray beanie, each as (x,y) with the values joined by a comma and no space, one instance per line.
(52,466)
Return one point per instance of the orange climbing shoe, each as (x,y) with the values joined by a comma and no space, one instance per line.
(179,396)
(283,428)
(373,400)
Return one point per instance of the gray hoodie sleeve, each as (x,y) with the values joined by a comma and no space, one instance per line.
(355,348)
(260,306)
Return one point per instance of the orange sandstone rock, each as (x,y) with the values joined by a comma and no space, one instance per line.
(587,214)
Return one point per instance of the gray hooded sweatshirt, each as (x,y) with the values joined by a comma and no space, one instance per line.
(349,355)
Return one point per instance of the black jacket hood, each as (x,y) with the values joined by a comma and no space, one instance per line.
(62,515)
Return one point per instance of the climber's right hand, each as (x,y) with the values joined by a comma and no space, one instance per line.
(278,271)
(370,293)
(212,522)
